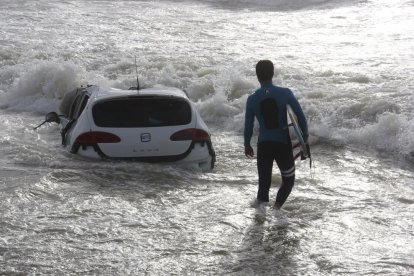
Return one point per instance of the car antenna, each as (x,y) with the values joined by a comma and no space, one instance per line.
(136,72)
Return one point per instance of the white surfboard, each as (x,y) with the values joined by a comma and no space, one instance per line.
(298,132)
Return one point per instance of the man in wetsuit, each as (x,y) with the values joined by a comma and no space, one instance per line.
(268,105)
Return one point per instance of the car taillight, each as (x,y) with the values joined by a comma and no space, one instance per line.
(94,137)
(193,134)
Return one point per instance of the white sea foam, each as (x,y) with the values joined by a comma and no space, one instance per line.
(39,87)
(42,83)
(391,132)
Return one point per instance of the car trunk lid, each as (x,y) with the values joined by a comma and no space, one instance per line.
(144,124)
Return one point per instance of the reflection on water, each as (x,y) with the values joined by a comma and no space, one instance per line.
(266,246)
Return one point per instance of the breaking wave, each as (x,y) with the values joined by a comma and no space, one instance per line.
(39,87)
(220,96)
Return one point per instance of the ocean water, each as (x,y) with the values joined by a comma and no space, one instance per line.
(350,64)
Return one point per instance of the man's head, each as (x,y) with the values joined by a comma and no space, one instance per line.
(264,71)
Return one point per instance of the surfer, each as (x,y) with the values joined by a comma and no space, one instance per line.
(268,105)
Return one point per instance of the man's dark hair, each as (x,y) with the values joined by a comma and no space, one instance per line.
(264,70)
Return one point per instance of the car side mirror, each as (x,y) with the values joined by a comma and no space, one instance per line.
(52,117)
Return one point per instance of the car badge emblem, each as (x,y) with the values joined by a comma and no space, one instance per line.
(145,137)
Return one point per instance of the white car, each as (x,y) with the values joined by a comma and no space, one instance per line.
(157,124)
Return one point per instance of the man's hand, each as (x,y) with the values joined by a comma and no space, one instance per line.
(248,151)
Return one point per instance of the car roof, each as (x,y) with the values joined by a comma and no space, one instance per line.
(99,93)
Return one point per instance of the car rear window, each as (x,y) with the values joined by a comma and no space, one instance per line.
(142,112)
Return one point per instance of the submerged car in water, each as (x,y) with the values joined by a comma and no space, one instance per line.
(157,124)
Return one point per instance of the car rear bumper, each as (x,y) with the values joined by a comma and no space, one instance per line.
(200,153)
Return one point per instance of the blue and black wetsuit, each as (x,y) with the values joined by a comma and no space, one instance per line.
(268,105)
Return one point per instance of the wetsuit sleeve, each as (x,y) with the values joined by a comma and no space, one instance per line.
(248,122)
(299,113)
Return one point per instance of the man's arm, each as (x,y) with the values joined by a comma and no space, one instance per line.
(248,128)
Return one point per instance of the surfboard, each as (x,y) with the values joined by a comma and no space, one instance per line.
(304,152)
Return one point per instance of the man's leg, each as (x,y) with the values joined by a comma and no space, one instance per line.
(265,159)
(286,164)
(284,190)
